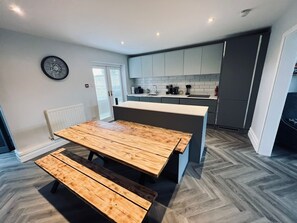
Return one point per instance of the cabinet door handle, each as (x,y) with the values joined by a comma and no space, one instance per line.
(110,93)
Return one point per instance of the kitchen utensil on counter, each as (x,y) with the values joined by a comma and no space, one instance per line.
(188,89)
(139,90)
(175,90)
(217,90)
(132,90)
(170,89)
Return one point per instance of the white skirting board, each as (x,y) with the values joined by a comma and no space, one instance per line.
(254,140)
(39,150)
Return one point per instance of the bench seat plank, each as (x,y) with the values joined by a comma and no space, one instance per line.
(112,200)
(127,188)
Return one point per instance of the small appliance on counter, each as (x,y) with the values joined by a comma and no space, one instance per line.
(138,90)
(188,89)
(216,91)
(172,90)
(175,90)
(169,87)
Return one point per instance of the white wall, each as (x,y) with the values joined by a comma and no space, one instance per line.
(262,131)
(25,92)
(293,84)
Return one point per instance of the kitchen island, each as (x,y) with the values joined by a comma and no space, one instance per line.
(185,118)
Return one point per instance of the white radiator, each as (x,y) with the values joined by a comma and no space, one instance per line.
(64,117)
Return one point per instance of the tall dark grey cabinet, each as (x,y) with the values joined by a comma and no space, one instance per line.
(242,66)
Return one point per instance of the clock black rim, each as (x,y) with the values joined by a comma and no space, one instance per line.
(44,71)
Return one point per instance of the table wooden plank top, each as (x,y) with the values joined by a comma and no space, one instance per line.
(147,131)
(141,147)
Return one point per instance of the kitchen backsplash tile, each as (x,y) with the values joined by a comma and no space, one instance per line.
(201,84)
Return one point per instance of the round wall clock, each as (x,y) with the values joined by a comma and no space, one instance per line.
(54,67)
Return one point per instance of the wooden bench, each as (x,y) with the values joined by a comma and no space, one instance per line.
(115,197)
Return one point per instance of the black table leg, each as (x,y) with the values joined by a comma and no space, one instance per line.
(142,179)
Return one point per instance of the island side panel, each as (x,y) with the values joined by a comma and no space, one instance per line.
(186,123)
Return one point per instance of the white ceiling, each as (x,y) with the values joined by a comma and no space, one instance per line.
(105,23)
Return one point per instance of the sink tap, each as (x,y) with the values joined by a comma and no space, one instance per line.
(155,89)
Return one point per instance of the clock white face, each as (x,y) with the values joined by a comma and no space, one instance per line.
(54,67)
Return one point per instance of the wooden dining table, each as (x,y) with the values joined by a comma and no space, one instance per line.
(143,147)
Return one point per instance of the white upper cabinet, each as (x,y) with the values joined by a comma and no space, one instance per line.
(212,59)
(159,64)
(135,70)
(147,65)
(192,61)
(174,63)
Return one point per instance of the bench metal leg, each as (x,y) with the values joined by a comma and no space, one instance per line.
(91,155)
(55,187)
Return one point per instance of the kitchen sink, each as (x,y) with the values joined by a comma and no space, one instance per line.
(199,96)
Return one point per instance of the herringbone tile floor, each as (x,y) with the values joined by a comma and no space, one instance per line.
(234,184)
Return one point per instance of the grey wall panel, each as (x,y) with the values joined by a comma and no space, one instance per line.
(185,123)
(257,80)
(237,67)
(231,113)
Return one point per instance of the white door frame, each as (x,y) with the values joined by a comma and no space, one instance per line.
(286,62)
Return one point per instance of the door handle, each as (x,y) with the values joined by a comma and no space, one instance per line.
(110,93)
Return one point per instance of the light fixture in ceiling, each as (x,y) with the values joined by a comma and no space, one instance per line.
(16,9)
(210,20)
(245,12)
(157,34)
(122,42)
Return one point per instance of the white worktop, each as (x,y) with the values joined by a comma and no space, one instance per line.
(162,107)
(172,96)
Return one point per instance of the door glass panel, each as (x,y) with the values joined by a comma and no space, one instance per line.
(101,87)
(116,84)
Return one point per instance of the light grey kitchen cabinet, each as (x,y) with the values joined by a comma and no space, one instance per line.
(159,64)
(151,99)
(174,63)
(147,65)
(212,59)
(240,78)
(132,98)
(135,70)
(170,100)
(192,61)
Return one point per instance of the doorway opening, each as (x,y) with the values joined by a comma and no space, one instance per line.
(109,86)
(286,138)
(6,142)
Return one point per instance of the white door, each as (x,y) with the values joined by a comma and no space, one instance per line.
(108,85)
